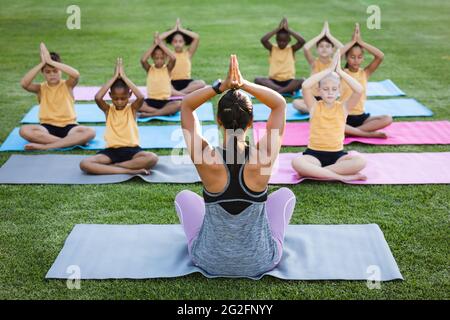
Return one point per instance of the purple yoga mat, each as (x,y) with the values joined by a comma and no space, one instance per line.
(414,132)
(381,168)
(88,93)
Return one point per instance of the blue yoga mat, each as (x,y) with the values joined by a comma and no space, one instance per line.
(92,113)
(385,88)
(151,137)
(311,252)
(401,107)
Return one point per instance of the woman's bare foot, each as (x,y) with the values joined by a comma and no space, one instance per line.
(35,146)
(139,171)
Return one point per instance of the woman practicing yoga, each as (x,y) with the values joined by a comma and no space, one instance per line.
(236,229)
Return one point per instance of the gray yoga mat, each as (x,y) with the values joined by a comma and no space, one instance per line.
(64,169)
(312,252)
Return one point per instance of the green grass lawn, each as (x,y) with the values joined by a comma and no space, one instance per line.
(35,220)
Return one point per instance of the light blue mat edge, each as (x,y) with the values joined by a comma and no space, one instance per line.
(205,113)
(409,108)
(59,271)
(14,142)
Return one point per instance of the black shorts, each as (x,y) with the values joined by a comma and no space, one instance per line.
(120,154)
(326,158)
(181,84)
(356,121)
(282,83)
(155,103)
(59,132)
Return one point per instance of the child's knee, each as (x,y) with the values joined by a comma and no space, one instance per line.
(90,133)
(24,132)
(152,159)
(388,119)
(298,164)
(85,165)
(259,80)
(360,163)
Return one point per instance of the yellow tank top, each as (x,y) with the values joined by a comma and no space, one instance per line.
(121,128)
(317,67)
(327,127)
(158,83)
(346,91)
(182,69)
(56,105)
(281,63)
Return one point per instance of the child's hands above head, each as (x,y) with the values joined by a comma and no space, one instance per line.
(45,55)
(356,33)
(336,62)
(117,69)
(121,69)
(178,24)
(326,28)
(156,38)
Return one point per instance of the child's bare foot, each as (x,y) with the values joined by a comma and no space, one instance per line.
(145,114)
(378,134)
(35,146)
(353,177)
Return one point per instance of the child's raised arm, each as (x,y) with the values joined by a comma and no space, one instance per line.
(164,35)
(307,47)
(169,53)
(377,60)
(337,44)
(265,40)
(27,80)
(73,73)
(356,87)
(300,41)
(352,42)
(104,89)
(138,94)
(309,83)
(195,38)
(148,53)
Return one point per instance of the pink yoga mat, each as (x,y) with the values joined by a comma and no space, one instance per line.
(381,168)
(88,93)
(414,132)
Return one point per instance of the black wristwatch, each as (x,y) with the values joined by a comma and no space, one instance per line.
(216,86)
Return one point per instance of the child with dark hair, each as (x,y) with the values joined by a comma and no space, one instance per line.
(179,38)
(159,87)
(359,123)
(325,44)
(122,153)
(282,60)
(58,126)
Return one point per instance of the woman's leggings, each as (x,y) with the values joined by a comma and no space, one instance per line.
(280,205)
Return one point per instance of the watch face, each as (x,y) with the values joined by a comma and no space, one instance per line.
(215,83)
